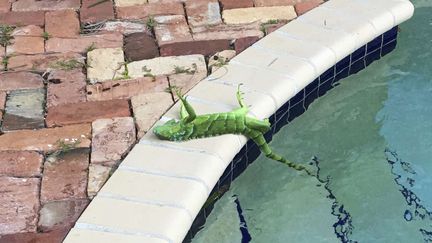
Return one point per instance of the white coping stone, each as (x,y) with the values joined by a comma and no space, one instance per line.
(278,88)
(83,235)
(155,160)
(134,185)
(135,218)
(273,70)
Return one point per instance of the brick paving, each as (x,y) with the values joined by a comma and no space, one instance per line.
(82,81)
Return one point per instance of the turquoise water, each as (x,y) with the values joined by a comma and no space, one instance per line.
(372,136)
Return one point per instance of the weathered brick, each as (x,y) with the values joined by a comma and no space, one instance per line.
(20,204)
(171,29)
(167,65)
(203,13)
(185,81)
(60,214)
(2,103)
(204,47)
(86,112)
(41,62)
(303,7)
(139,46)
(64,24)
(20,163)
(82,43)
(105,64)
(66,87)
(261,14)
(44,5)
(46,139)
(268,28)
(65,175)
(219,59)
(126,27)
(20,80)
(150,9)
(125,3)
(270,3)
(228,32)
(27,40)
(53,236)
(242,43)
(230,4)
(98,175)
(93,11)
(125,89)
(5,6)
(112,139)
(24,110)
(23,18)
(148,108)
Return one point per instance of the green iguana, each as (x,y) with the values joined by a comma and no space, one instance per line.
(191,126)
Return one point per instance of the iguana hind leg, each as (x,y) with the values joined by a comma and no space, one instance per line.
(259,139)
(255,124)
(187,113)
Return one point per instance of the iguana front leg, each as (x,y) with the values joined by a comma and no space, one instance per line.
(187,113)
(239,97)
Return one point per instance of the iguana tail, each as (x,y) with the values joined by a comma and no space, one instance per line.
(264,147)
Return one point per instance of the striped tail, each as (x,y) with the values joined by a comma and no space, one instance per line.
(264,147)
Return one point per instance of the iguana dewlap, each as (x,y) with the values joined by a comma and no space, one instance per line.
(191,126)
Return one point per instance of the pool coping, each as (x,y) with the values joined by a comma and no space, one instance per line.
(160,187)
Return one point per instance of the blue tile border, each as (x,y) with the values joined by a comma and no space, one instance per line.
(296,106)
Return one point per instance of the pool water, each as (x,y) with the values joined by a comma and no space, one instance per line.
(372,137)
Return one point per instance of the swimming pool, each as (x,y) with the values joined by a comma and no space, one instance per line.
(372,136)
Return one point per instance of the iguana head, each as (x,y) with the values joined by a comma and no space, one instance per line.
(173,130)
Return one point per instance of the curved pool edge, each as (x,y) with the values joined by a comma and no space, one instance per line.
(160,187)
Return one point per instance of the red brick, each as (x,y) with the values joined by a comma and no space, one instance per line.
(60,214)
(125,89)
(204,47)
(243,43)
(139,46)
(91,13)
(150,9)
(86,112)
(20,163)
(45,5)
(272,27)
(41,62)
(65,175)
(63,23)
(2,103)
(46,139)
(54,236)
(82,43)
(20,80)
(20,204)
(230,4)
(171,29)
(27,40)
(305,6)
(268,3)
(23,18)
(203,13)
(5,6)
(66,87)
(228,32)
